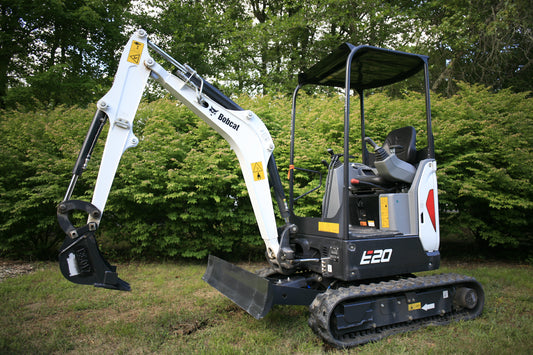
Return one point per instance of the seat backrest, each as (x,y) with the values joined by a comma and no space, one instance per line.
(404,137)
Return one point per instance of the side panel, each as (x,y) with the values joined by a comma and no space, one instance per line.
(424,205)
(374,258)
(394,213)
(371,257)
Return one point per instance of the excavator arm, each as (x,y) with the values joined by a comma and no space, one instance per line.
(80,259)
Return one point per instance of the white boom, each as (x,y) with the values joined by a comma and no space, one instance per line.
(244,131)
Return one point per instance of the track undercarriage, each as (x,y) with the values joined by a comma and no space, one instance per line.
(351,316)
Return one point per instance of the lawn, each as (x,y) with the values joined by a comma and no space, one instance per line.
(171,310)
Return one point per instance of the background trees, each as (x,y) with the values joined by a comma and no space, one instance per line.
(64,52)
(260,45)
(58,52)
(489,42)
(57,56)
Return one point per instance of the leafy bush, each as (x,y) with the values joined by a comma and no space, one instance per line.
(181,192)
(485,153)
(37,152)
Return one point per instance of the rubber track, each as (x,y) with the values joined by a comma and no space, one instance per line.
(324,304)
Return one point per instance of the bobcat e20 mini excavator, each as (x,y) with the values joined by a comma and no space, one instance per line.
(353,265)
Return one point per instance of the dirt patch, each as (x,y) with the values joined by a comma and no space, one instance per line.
(189,327)
(14,268)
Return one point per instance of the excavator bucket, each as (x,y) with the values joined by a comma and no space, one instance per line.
(80,260)
(254,294)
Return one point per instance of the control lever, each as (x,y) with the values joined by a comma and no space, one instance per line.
(381,154)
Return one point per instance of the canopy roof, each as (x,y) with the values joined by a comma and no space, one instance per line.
(371,67)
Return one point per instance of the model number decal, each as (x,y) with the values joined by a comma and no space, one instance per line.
(376,256)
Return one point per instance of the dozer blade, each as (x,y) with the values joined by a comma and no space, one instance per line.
(254,294)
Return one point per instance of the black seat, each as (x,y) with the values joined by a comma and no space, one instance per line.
(405,141)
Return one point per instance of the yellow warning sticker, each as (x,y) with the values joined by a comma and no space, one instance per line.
(414,306)
(328,227)
(134,56)
(257,169)
(384,204)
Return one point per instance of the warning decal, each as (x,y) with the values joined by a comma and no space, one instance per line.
(414,306)
(134,56)
(257,169)
(384,204)
(328,227)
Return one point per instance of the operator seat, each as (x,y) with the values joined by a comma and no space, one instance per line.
(365,179)
(403,141)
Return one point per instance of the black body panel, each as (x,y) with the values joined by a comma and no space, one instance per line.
(366,258)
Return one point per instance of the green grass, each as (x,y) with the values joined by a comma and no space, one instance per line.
(171,310)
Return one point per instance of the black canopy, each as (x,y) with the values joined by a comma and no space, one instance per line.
(371,67)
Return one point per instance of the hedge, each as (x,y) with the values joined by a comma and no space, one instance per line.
(180,193)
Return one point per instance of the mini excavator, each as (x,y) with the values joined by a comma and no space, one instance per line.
(354,265)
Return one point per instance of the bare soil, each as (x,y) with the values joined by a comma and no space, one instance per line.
(10,268)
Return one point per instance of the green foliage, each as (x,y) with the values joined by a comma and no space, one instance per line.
(181,192)
(485,154)
(37,152)
(58,52)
